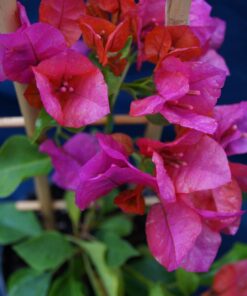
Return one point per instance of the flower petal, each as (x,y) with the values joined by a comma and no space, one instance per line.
(91,189)
(165,185)
(171,235)
(67,168)
(85,104)
(204,251)
(63,15)
(27,48)
(207,167)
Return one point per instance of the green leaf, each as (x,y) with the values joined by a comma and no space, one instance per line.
(140,88)
(112,81)
(16,225)
(134,287)
(119,250)
(158,290)
(188,282)
(66,285)
(110,277)
(148,166)
(118,224)
(152,270)
(19,160)
(48,251)
(126,50)
(27,282)
(73,211)
(43,123)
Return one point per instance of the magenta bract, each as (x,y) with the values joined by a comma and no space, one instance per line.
(186,94)
(72,89)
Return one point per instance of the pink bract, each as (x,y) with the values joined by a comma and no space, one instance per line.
(186,94)
(63,15)
(221,207)
(230,280)
(170,237)
(28,47)
(239,173)
(69,159)
(209,30)
(232,127)
(109,169)
(72,89)
(22,16)
(215,59)
(193,162)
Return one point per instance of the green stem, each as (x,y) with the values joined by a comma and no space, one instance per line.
(110,120)
(96,285)
(139,277)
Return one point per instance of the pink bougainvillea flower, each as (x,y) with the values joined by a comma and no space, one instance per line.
(215,59)
(168,233)
(209,30)
(63,15)
(93,166)
(27,47)
(186,94)
(109,169)
(23,21)
(32,96)
(177,41)
(239,173)
(230,280)
(72,89)
(69,159)
(180,240)
(22,16)
(80,47)
(232,127)
(151,13)
(118,8)
(103,36)
(131,201)
(221,207)
(183,166)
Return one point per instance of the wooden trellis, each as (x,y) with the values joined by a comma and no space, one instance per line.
(177,13)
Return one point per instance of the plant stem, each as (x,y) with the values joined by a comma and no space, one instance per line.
(96,285)
(142,279)
(110,119)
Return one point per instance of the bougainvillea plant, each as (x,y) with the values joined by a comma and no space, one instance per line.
(74,62)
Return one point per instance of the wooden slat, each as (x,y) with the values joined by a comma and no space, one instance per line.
(177,12)
(11,122)
(58,205)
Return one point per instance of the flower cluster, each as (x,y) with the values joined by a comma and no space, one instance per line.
(198,188)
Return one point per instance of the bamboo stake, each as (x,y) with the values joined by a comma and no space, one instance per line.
(60,205)
(177,13)
(10,122)
(9,23)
